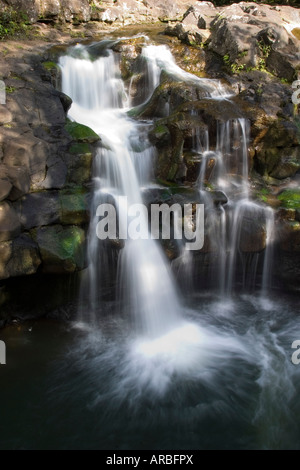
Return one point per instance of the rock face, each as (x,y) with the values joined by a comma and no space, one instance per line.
(76,11)
(45,163)
(245,35)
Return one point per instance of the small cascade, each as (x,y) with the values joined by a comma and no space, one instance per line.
(229,226)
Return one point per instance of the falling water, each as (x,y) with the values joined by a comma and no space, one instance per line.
(220,378)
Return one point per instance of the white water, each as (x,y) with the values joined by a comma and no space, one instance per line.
(230,174)
(123,163)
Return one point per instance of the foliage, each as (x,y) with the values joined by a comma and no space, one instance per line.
(12,23)
(290,198)
(263,194)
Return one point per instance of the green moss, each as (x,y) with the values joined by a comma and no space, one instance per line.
(71,242)
(290,198)
(263,194)
(74,207)
(80,148)
(81,133)
(10,89)
(50,66)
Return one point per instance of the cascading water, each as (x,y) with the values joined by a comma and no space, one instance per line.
(145,279)
(122,167)
(210,373)
(230,174)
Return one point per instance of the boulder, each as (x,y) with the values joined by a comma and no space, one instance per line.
(19,257)
(39,209)
(62,249)
(10,225)
(74,207)
(5,188)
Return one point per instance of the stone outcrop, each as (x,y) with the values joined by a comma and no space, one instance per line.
(45,163)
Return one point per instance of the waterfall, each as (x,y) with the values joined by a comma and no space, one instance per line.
(225,224)
(123,164)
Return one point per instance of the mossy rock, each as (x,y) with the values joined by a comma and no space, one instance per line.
(81,133)
(80,148)
(62,249)
(50,66)
(74,207)
(290,198)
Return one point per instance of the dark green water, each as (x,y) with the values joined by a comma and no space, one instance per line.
(223,380)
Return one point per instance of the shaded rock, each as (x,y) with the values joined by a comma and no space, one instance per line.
(18,257)
(19,178)
(74,207)
(10,226)
(62,248)
(277,150)
(79,163)
(253,232)
(26,151)
(5,188)
(290,237)
(56,174)
(39,209)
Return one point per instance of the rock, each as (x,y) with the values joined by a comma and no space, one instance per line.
(187,34)
(290,237)
(39,209)
(167,10)
(279,65)
(277,150)
(81,133)
(235,40)
(5,115)
(22,149)
(79,163)
(19,257)
(74,207)
(201,14)
(20,179)
(252,237)
(5,188)
(10,226)
(56,175)
(62,248)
